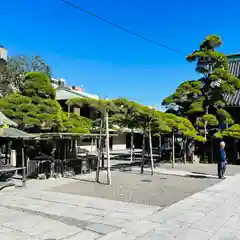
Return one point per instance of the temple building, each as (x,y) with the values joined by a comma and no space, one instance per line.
(233,101)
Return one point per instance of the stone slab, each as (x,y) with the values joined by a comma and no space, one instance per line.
(101,228)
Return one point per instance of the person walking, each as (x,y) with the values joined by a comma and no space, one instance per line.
(222,161)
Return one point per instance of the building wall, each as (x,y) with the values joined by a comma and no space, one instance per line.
(119,142)
(86,144)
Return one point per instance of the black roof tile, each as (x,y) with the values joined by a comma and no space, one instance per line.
(233,99)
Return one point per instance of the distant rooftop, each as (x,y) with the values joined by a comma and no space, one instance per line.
(65,91)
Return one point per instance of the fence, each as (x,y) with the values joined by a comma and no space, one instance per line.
(64,168)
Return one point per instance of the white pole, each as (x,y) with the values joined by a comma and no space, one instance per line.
(131,147)
(107,150)
(150,147)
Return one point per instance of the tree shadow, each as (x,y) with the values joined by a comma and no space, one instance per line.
(200,176)
(87,180)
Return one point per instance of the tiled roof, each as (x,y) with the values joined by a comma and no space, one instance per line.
(64,93)
(15,133)
(234,69)
(7,120)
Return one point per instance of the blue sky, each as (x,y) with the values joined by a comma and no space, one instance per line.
(108,61)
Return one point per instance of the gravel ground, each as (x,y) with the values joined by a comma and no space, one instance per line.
(157,190)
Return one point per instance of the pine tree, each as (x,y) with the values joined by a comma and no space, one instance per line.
(202,100)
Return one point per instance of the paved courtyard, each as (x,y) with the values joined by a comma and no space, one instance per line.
(40,212)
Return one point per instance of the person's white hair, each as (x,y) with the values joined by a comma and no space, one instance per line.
(222,144)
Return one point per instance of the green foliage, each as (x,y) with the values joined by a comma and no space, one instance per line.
(233,132)
(35,106)
(195,98)
(99,105)
(75,123)
(183,126)
(210,119)
(38,85)
(21,109)
(127,115)
(184,96)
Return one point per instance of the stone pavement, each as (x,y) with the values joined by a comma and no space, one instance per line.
(36,213)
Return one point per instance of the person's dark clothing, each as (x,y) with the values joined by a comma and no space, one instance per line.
(222,163)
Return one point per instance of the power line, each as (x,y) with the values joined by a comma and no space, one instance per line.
(121,28)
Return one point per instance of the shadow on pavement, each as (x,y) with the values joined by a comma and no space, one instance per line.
(87,180)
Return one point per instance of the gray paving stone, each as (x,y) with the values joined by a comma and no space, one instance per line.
(138,228)
(168,213)
(15,235)
(4,229)
(101,228)
(122,215)
(163,232)
(226,234)
(117,222)
(11,215)
(213,221)
(190,234)
(203,207)
(118,235)
(189,217)
(233,223)
(28,224)
(58,230)
(85,235)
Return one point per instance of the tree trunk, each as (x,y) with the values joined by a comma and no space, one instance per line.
(185,151)
(99,150)
(150,148)
(205,124)
(143,152)
(160,146)
(107,150)
(131,147)
(69,109)
(92,143)
(173,149)
(23,166)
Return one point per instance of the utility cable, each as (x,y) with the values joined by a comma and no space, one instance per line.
(122,28)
